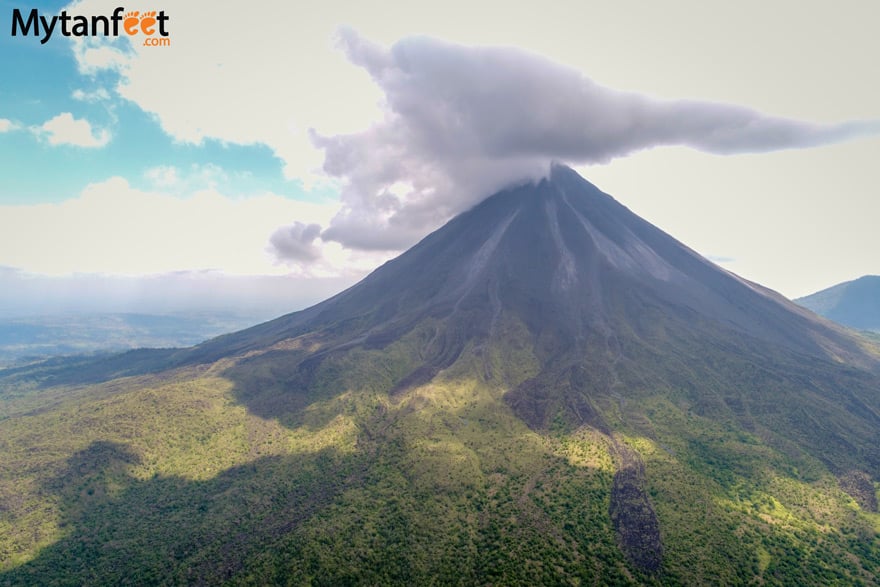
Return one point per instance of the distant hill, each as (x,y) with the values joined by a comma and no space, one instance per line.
(853,303)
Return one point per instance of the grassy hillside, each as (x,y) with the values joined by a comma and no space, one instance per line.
(255,470)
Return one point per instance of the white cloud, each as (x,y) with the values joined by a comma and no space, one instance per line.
(461,122)
(95,54)
(96,95)
(246,75)
(262,297)
(267,75)
(117,229)
(7,125)
(163,176)
(189,180)
(296,242)
(64,129)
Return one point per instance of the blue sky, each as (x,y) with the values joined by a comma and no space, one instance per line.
(279,140)
(95,188)
(42,81)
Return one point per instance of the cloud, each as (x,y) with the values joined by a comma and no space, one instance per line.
(190,180)
(64,129)
(23,293)
(219,82)
(114,228)
(413,170)
(461,122)
(163,176)
(7,125)
(295,242)
(93,96)
(96,54)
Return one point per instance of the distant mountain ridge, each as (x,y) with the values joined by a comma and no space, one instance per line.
(853,303)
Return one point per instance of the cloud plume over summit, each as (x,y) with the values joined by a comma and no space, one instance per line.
(461,122)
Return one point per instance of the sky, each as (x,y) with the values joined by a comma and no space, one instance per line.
(296,146)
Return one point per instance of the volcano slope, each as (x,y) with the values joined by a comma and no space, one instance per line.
(547,390)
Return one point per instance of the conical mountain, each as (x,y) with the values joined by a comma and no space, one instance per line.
(606,302)
(579,310)
(571,263)
(546,390)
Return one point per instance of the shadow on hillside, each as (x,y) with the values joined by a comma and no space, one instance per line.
(171,530)
(279,385)
(89,369)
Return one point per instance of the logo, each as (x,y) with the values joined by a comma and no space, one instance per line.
(150,24)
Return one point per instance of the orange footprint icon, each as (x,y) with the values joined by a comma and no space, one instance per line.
(131,21)
(148,21)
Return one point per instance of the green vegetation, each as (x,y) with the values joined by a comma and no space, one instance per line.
(173,480)
(314,461)
(255,471)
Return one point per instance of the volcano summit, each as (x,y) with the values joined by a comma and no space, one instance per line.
(546,390)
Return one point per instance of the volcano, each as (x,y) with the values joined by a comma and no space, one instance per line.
(546,389)
(608,305)
(578,269)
